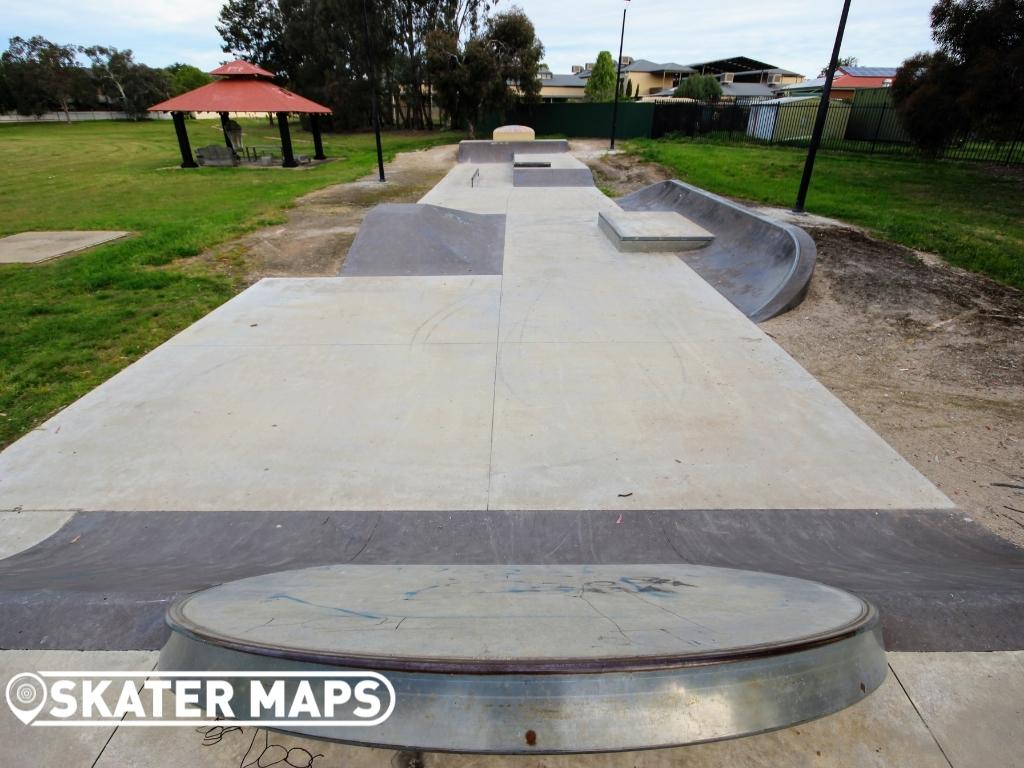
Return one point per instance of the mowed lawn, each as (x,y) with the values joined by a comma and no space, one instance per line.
(69,324)
(970,214)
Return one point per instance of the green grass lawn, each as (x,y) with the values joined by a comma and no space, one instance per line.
(67,325)
(971,215)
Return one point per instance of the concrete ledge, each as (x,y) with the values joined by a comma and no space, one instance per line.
(762,266)
(652,231)
(526,160)
(482,151)
(552,177)
(104,580)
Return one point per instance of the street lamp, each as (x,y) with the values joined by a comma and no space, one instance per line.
(618,74)
(819,121)
(375,109)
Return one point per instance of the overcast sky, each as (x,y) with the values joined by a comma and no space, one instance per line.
(788,33)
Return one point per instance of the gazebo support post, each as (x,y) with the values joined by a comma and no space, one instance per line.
(318,143)
(224,127)
(286,140)
(183,145)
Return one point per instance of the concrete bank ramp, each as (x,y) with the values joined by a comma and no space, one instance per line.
(477,151)
(417,239)
(760,265)
(941,582)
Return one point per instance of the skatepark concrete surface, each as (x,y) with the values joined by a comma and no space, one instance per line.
(574,404)
(33,247)
(582,378)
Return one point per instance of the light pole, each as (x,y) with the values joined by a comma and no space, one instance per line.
(373,92)
(819,121)
(618,74)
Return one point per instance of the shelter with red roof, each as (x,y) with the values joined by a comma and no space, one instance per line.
(243,87)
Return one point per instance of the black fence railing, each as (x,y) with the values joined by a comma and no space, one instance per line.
(872,127)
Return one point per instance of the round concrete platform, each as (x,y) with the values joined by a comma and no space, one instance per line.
(519,659)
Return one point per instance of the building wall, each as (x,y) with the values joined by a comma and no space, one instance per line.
(649,82)
(561,93)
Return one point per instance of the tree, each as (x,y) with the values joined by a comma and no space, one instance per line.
(253,30)
(40,75)
(699,87)
(601,83)
(492,71)
(844,61)
(185,77)
(973,83)
(132,85)
(517,53)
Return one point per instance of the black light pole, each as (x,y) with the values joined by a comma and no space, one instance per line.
(618,74)
(373,92)
(819,121)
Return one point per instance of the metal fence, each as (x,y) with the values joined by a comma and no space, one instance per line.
(868,124)
(870,127)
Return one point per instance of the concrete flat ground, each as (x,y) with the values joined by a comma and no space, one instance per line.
(935,710)
(580,379)
(33,247)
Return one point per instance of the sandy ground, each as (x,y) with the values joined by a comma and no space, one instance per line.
(931,356)
(321,226)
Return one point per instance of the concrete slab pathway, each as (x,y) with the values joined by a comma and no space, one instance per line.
(33,247)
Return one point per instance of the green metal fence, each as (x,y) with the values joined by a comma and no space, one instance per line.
(868,124)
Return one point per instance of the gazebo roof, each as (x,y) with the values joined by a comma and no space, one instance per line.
(238,67)
(241,89)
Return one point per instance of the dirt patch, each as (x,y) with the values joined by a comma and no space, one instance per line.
(319,229)
(929,355)
(616,173)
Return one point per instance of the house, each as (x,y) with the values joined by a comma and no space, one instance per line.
(640,76)
(743,80)
(847,82)
(740,69)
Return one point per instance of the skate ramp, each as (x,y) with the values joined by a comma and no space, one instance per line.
(103,581)
(482,151)
(422,240)
(762,266)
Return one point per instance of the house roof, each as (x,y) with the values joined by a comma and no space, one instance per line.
(869,71)
(643,65)
(745,90)
(806,85)
(239,68)
(733,64)
(770,71)
(243,88)
(564,81)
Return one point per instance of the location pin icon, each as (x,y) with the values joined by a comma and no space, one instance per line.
(26,696)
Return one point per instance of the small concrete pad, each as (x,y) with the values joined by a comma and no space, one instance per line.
(33,247)
(973,703)
(649,231)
